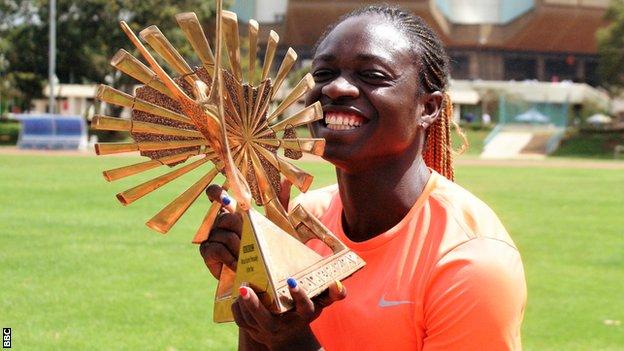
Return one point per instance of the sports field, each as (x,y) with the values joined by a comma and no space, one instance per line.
(80,272)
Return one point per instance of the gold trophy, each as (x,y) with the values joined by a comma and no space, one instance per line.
(209,116)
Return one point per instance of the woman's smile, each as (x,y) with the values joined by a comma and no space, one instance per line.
(343,118)
(343,121)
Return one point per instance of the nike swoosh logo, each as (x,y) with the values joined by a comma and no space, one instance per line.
(385,303)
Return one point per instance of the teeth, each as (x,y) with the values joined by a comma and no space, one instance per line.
(340,127)
(342,121)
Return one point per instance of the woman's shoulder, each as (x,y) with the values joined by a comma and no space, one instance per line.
(316,201)
(473,215)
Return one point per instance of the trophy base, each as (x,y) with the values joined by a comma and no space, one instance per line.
(269,256)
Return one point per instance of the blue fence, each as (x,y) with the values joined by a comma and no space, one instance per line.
(52,132)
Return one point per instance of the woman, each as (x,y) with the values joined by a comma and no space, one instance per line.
(442,272)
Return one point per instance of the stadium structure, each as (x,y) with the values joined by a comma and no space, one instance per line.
(529,64)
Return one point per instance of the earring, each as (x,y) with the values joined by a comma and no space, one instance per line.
(422,124)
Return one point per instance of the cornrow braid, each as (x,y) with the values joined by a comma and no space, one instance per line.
(434,67)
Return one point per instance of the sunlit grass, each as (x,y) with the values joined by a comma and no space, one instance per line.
(80,272)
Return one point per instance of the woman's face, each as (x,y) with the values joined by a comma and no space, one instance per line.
(366,78)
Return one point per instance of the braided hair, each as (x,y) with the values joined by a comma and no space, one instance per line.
(433,63)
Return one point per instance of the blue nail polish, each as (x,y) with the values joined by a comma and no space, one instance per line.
(292,282)
(225,200)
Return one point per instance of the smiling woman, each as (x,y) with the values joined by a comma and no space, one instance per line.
(441,271)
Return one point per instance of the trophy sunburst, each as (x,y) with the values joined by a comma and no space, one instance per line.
(209,117)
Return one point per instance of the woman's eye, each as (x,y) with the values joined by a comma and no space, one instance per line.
(373,75)
(321,75)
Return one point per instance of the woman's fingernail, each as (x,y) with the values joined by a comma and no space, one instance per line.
(292,283)
(243,292)
(339,286)
(225,200)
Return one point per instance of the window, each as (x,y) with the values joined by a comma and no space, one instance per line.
(520,68)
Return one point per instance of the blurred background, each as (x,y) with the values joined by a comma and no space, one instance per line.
(537,85)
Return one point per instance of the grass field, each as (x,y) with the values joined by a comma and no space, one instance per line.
(589,144)
(80,272)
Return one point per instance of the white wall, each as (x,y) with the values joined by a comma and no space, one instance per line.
(267,10)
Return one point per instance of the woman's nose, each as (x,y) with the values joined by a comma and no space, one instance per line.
(339,88)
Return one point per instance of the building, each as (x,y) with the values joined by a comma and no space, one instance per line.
(71,100)
(270,15)
(545,40)
(263,11)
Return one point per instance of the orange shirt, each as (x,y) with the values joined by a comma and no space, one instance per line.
(447,277)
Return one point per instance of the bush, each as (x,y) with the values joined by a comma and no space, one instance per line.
(9,132)
(590,143)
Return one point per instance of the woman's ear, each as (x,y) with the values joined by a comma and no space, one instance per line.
(432,107)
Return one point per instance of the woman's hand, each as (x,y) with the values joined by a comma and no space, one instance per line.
(289,330)
(223,243)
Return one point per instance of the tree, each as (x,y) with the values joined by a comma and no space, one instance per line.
(611,48)
(88,35)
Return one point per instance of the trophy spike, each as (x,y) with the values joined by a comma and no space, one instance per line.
(244,165)
(152,128)
(282,72)
(157,40)
(243,119)
(274,210)
(130,65)
(270,54)
(314,146)
(170,144)
(216,76)
(230,30)
(306,84)
(253,49)
(115,148)
(195,34)
(309,114)
(204,229)
(119,98)
(260,104)
(301,179)
(160,72)
(249,96)
(100,122)
(129,196)
(126,171)
(168,216)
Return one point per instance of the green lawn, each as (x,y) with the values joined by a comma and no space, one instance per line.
(475,140)
(80,272)
(596,145)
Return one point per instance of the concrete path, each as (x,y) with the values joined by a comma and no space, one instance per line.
(506,145)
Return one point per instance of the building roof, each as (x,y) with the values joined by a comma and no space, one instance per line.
(536,92)
(559,29)
(71,90)
(307,19)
